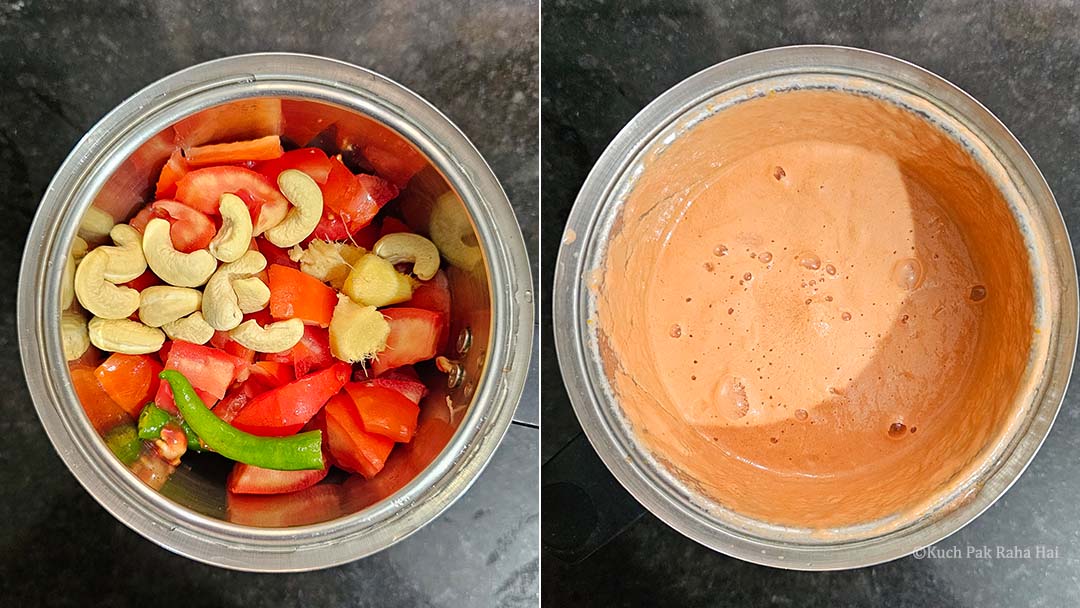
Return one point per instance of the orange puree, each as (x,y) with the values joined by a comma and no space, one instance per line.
(816,308)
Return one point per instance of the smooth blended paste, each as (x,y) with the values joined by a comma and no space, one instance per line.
(816,308)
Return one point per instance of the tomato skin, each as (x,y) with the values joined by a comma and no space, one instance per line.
(352,448)
(190,230)
(414,337)
(144,280)
(248,479)
(221,340)
(236,399)
(176,168)
(202,190)
(413,390)
(311,353)
(252,150)
(103,412)
(312,161)
(384,411)
(130,380)
(285,410)
(296,295)
(275,256)
(350,201)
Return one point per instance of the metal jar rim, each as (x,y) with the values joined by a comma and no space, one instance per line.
(629,461)
(197,536)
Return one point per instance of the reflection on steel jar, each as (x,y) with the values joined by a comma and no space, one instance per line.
(454,199)
(595,216)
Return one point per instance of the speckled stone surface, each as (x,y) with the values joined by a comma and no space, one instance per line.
(603,62)
(65,64)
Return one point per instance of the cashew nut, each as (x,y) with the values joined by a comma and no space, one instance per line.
(79,248)
(99,296)
(273,338)
(192,328)
(252,295)
(408,247)
(221,305)
(161,304)
(172,266)
(67,287)
(125,336)
(357,332)
(329,262)
(234,238)
(95,225)
(453,233)
(307,200)
(126,260)
(73,331)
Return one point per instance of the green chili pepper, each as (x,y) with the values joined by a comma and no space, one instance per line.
(298,452)
(192,438)
(124,441)
(151,420)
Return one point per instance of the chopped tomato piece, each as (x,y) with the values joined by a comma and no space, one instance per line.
(190,230)
(221,340)
(103,412)
(130,380)
(384,411)
(206,368)
(271,374)
(202,189)
(350,201)
(434,295)
(353,448)
(297,295)
(261,149)
(398,164)
(392,225)
(414,336)
(285,410)
(275,255)
(236,400)
(241,119)
(176,168)
(312,161)
(248,479)
(413,390)
(311,353)
(164,398)
(144,280)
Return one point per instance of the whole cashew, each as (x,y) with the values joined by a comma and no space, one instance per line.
(67,287)
(307,200)
(221,305)
(100,297)
(95,225)
(401,247)
(234,238)
(273,338)
(173,267)
(161,304)
(252,295)
(125,336)
(73,331)
(79,248)
(126,260)
(192,328)
(453,233)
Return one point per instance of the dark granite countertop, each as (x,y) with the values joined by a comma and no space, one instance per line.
(603,62)
(65,65)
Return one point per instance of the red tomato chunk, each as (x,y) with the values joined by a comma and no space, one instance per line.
(285,410)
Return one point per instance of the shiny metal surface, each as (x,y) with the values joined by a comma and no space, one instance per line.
(455,199)
(598,203)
